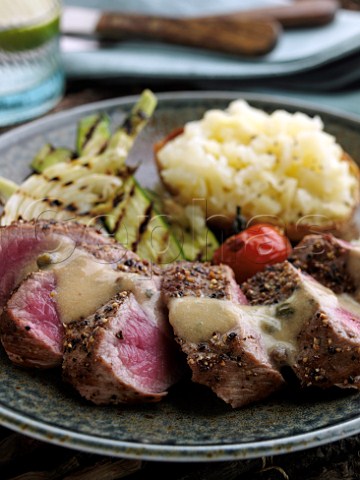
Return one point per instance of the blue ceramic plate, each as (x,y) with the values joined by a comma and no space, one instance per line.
(191,424)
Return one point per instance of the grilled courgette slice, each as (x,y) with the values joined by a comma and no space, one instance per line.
(140,227)
(188,225)
(83,189)
(93,134)
(49,155)
(197,245)
(7,188)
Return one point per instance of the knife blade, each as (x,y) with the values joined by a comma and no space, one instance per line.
(249,36)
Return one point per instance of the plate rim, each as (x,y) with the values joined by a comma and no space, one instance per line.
(50,433)
(284,101)
(174,453)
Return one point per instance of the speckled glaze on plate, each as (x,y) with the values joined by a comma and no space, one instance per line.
(191,424)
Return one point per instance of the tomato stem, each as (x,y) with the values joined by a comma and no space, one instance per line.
(239,223)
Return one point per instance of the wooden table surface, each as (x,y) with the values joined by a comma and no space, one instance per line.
(24,458)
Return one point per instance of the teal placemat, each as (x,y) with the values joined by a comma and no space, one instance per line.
(308,64)
(298,49)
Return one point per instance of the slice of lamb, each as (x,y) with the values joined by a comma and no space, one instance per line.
(32,333)
(118,356)
(146,328)
(21,243)
(224,350)
(331,261)
(196,279)
(42,347)
(307,326)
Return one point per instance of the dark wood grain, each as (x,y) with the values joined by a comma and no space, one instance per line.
(23,458)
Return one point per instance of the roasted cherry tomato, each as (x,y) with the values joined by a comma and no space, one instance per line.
(253,249)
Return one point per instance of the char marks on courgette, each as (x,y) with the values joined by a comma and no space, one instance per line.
(92,183)
(93,134)
(139,226)
(81,188)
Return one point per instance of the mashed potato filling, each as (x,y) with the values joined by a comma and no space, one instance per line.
(279,164)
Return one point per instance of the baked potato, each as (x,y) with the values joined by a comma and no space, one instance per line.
(280,168)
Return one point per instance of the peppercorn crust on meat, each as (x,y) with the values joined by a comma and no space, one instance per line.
(281,166)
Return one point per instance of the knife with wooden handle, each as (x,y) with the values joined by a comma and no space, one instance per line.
(250,37)
(248,33)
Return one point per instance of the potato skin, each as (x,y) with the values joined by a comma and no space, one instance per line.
(346,229)
(158,146)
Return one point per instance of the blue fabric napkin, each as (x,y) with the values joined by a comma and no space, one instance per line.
(315,59)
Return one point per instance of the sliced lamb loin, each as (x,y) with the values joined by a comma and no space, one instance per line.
(32,333)
(118,355)
(331,261)
(224,350)
(143,361)
(79,286)
(21,243)
(33,343)
(24,247)
(307,326)
(87,271)
(196,279)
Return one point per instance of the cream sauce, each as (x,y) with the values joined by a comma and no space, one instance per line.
(196,319)
(145,292)
(281,323)
(83,285)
